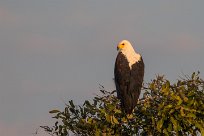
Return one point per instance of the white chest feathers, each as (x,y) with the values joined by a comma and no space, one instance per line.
(132,57)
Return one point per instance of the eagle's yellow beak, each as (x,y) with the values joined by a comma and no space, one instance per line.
(120,46)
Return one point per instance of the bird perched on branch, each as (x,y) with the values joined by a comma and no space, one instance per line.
(129,74)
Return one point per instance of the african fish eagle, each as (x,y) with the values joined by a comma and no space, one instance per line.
(129,73)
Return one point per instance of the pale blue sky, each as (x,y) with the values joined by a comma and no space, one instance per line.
(57,50)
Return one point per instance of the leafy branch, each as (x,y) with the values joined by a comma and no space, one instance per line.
(164,109)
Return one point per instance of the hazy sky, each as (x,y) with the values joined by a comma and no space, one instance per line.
(53,51)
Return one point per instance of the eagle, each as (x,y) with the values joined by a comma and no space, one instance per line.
(129,74)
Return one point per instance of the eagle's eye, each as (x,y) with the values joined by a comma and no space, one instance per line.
(123,44)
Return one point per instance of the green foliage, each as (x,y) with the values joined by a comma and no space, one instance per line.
(164,109)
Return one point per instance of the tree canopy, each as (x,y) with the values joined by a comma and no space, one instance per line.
(164,109)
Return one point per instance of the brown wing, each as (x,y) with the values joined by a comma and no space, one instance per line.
(136,80)
(122,80)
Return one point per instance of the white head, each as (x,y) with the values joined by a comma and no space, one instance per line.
(126,48)
(124,45)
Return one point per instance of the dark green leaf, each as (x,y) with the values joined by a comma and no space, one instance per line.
(54,111)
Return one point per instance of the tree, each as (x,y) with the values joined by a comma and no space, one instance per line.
(164,109)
